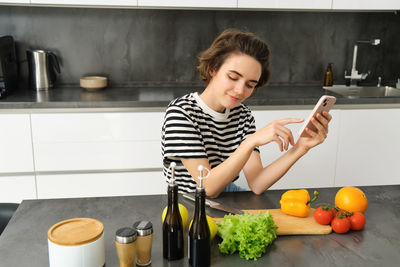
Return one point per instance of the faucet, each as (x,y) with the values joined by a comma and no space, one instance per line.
(354,75)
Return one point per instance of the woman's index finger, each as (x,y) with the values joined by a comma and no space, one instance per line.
(291,120)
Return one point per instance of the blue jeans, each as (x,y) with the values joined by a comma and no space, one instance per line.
(232,187)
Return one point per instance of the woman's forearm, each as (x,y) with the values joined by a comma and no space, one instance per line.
(224,173)
(274,171)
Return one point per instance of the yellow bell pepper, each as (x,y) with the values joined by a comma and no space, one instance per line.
(297,202)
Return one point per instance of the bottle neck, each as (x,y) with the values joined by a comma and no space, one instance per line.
(173,195)
(200,204)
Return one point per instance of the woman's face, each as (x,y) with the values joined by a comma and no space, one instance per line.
(234,81)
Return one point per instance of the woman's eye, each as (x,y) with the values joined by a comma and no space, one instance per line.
(232,78)
(250,86)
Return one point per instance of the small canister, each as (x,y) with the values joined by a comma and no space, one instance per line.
(125,243)
(77,242)
(144,242)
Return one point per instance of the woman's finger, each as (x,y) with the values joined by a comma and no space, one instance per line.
(288,132)
(323,121)
(327,115)
(286,136)
(319,127)
(279,142)
(290,120)
(310,132)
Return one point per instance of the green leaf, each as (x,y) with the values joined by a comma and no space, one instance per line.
(250,234)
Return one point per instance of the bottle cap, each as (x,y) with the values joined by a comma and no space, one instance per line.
(125,235)
(143,228)
(201,168)
(172,167)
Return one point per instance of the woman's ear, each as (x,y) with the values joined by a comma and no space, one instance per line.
(212,72)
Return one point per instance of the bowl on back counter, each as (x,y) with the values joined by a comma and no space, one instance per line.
(93,83)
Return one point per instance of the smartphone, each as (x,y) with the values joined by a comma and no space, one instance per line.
(324,103)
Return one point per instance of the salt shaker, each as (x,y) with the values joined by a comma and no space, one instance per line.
(125,243)
(144,242)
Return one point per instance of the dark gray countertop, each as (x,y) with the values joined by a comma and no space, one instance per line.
(158,97)
(24,241)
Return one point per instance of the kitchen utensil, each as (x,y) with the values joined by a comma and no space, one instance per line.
(291,225)
(42,69)
(77,242)
(216,205)
(93,83)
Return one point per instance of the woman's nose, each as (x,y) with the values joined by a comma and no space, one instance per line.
(239,88)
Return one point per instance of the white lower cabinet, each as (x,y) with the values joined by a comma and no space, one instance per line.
(15,143)
(316,168)
(97,141)
(100,184)
(14,189)
(369,148)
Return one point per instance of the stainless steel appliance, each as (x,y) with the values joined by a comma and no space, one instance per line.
(8,66)
(42,69)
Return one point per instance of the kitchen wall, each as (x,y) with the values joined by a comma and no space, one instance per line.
(135,45)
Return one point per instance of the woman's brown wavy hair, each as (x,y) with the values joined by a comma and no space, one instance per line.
(234,41)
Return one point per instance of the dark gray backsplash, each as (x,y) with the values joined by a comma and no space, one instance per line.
(134,45)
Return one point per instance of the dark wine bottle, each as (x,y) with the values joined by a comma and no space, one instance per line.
(173,246)
(199,234)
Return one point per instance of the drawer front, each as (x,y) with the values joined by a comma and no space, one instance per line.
(14,189)
(96,127)
(98,156)
(15,143)
(97,141)
(101,184)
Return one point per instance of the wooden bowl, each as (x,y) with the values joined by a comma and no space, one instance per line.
(93,83)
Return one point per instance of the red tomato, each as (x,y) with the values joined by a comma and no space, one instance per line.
(341,225)
(323,216)
(357,221)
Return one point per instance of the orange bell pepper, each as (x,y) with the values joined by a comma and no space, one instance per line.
(297,202)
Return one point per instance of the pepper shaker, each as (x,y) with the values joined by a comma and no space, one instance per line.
(126,246)
(144,242)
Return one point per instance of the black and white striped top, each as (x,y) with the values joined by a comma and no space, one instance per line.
(191,129)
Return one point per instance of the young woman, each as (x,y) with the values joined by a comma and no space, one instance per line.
(216,130)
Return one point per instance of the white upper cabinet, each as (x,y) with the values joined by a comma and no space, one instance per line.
(15,1)
(366,4)
(132,3)
(189,3)
(286,4)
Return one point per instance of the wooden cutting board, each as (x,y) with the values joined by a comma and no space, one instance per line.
(291,225)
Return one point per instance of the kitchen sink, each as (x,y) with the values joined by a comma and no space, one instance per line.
(363,91)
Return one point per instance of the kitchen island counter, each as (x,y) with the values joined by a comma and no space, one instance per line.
(24,241)
(157,97)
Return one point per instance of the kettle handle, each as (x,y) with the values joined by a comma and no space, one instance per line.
(54,60)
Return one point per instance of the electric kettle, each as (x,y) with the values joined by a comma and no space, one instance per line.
(42,69)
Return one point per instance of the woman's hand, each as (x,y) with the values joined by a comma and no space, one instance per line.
(275,132)
(320,122)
